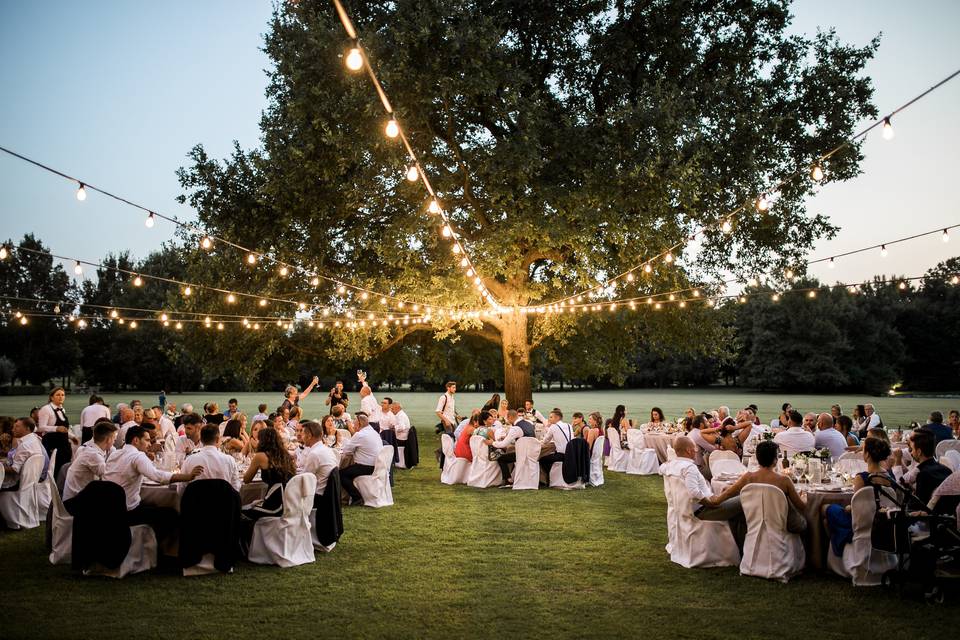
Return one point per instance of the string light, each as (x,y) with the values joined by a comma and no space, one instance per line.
(341,289)
(187,290)
(630,277)
(315,281)
(446,231)
(284,271)
(434,207)
(354,59)
(762,203)
(883,251)
(179,325)
(726,227)
(150,221)
(114,314)
(206,242)
(456,249)
(82,192)
(23,320)
(251,258)
(647,268)
(816,174)
(231,298)
(789,274)
(392,129)
(812,294)
(78,268)
(3,253)
(133,324)
(668,258)
(413,173)
(138,281)
(887,129)
(163,317)
(946,236)
(831,263)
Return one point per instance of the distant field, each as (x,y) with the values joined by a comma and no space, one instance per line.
(420,406)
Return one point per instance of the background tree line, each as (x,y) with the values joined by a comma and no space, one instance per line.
(838,341)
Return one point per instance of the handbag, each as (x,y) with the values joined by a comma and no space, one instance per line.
(493,454)
(889,530)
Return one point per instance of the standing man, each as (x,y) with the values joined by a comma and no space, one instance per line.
(90,415)
(447,409)
(337,396)
(368,403)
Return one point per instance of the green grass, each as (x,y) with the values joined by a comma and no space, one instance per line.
(452,562)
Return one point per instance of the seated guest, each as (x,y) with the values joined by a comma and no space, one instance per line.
(276,467)
(929,473)
(401,422)
(505,441)
(364,447)
(28,445)
(388,420)
(704,435)
(213,415)
(845,427)
(214,464)
(767,455)
(190,439)
(461,449)
(593,429)
(475,413)
(839,519)
(577,423)
(953,421)
(940,431)
(331,436)
(810,421)
(559,434)
(234,437)
(167,430)
(795,439)
(531,415)
(126,421)
(526,426)
(783,420)
(293,424)
(341,418)
(734,432)
(90,463)
(318,458)
(250,446)
(128,467)
(829,437)
(656,418)
(261,414)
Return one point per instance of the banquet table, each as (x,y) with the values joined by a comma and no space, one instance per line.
(659,441)
(167,495)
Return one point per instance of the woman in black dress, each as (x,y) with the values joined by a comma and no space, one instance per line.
(276,467)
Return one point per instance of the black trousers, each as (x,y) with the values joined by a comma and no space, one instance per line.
(349,474)
(504,461)
(59,442)
(86,433)
(547,461)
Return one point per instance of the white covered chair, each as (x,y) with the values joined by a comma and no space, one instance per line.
(947,445)
(526,473)
(61,526)
(43,490)
(455,470)
(286,540)
(344,434)
(596,462)
(375,488)
(692,542)
(556,480)
(483,471)
(769,551)
(725,462)
(401,462)
(671,453)
(641,460)
(618,457)
(863,564)
(951,460)
(142,555)
(20,508)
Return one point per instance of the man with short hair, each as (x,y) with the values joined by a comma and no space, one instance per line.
(559,434)
(337,397)
(214,464)
(190,439)
(387,419)
(261,415)
(447,409)
(318,458)
(126,421)
(875,419)
(795,439)
(930,473)
(402,421)
(94,411)
(723,412)
(935,425)
(29,444)
(232,409)
(810,421)
(364,446)
(531,414)
(577,423)
(827,436)
(90,463)
(165,429)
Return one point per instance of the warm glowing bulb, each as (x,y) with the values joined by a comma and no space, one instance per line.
(762,203)
(78,269)
(133,324)
(456,249)
(647,268)
(231,298)
(179,325)
(413,173)
(446,231)
(251,258)
(364,295)
(23,320)
(789,274)
(302,306)
(187,290)
(354,59)
(831,263)
(219,326)
(341,289)
(668,257)
(946,236)
(393,129)
(812,294)
(903,285)
(470,273)
(315,281)
(81,323)
(434,207)
(816,174)
(630,277)
(752,282)
(883,251)
(263,302)
(284,271)
(114,314)
(955,280)
(82,193)
(775,297)
(887,129)
(696,293)
(163,317)
(206,242)
(137,281)
(151,219)
(726,227)
(3,253)
(383,301)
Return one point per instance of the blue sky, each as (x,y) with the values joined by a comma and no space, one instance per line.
(117,92)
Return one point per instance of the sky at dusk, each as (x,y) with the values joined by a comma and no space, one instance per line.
(117,92)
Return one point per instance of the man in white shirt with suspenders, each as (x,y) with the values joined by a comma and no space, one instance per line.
(560,434)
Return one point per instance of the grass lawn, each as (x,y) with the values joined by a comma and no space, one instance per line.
(451,562)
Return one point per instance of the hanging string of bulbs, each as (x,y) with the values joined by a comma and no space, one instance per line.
(761,203)
(356,60)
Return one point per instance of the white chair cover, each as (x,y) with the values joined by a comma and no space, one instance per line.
(61,525)
(344,434)
(455,470)
(596,462)
(692,542)
(556,480)
(951,460)
(769,551)
(721,455)
(725,465)
(618,457)
(401,463)
(526,474)
(43,491)
(671,453)
(641,461)
(852,466)
(142,555)
(286,540)
(483,472)
(947,445)
(375,488)
(863,564)
(19,508)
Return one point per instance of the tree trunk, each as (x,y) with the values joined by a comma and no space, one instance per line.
(516,359)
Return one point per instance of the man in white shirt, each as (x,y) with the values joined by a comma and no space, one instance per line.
(827,436)
(387,419)
(190,439)
(261,415)
(90,463)
(531,414)
(402,422)
(318,458)
(560,434)
(126,421)
(795,439)
(89,416)
(875,420)
(506,439)
(165,423)
(214,464)
(447,409)
(29,445)
(364,447)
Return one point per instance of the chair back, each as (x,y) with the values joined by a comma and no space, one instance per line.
(614,437)
(764,504)
(476,443)
(635,439)
(671,453)
(344,434)
(951,460)
(947,445)
(382,466)
(596,462)
(851,455)
(720,458)
(446,445)
(526,473)
(56,502)
(30,472)
(298,496)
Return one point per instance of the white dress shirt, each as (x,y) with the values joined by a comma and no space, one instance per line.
(370,406)
(216,465)
(402,426)
(183,448)
(29,445)
(47,418)
(92,413)
(364,445)
(320,460)
(448,407)
(560,435)
(510,435)
(167,428)
(120,439)
(874,421)
(795,440)
(89,464)
(833,440)
(387,420)
(128,467)
(697,486)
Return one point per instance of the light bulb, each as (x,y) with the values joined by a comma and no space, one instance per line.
(78,268)
(392,129)
(315,281)
(887,129)
(668,257)
(341,289)
(831,263)
(383,301)
(883,251)
(114,314)
(302,306)
(812,294)
(187,290)
(726,227)
(446,231)
(434,207)
(762,203)
(903,285)
(672,297)
(456,249)
(133,324)
(206,242)
(81,323)
(946,236)
(3,253)
(696,293)
(354,59)
(955,280)
(775,297)
(470,273)
(179,325)
(743,299)
(752,282)
(251,258)
(284,271)
(150,221)
(816,174)
(23,320)
(630,277)
(219,326)
(137,281)
(412,173)
(789,274)
(81,193)
(263,302)
(647,268)
(163,317)
(121,321)
(231,298)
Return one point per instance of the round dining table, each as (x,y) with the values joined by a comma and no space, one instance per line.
(168,495)
(659,441)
